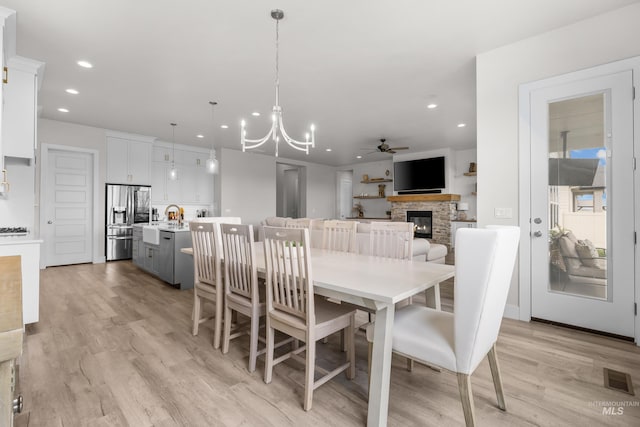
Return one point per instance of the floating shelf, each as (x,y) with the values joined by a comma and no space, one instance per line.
(470,173)
(376,180)
(369,197)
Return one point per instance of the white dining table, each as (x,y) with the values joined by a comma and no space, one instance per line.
(376,283)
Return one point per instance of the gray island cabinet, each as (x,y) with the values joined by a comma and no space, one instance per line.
(164,260)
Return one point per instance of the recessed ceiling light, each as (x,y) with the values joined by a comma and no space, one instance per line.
(63,110)
(461,125)
(432,106)
(85,64)
(255,113)
(72,91)
(327,149)
(199,136)
(358,157)
(224,126)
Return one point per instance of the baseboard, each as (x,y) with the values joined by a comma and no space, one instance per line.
(512,312)
(100,260)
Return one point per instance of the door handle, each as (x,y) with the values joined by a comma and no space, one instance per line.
(537,234)
(537,220)
(49,222)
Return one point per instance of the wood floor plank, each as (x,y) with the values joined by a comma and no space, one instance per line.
(114,348)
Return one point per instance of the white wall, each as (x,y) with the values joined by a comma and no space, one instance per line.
(602,39)
(317,188)
(465,185)
(374,208)
(248,185)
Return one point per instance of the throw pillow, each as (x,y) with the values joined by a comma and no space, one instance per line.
(587,253)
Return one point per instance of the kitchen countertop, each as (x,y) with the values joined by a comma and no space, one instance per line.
(163,226)
(18,240)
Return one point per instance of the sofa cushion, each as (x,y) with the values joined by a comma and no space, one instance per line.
(589,254)
(275,221)
(436,253)
(568,250)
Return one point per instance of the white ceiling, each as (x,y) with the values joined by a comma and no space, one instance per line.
(359,69)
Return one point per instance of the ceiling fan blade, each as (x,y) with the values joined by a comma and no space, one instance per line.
(399,148)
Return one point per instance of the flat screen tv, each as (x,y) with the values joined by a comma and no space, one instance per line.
(419,175)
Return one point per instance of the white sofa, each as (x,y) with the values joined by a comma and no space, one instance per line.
(423,250)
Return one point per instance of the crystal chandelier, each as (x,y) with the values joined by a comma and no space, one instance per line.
(212,162)
(277,127)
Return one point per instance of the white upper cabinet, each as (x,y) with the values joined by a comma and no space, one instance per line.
(20,107)
(193,185)
(128,159)
(7,50)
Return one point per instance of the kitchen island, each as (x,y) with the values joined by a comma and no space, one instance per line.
(156,250)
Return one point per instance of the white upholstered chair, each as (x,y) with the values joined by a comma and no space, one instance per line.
(339,235)
(241,287)
(293,310)
(207,275)
(458,341)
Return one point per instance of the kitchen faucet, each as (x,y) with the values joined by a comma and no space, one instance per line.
(166,213)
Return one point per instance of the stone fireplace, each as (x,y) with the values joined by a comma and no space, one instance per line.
(423,223)
(441,206)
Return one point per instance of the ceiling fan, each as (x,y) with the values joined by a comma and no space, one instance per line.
(384,147)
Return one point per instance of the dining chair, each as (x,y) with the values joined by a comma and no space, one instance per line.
(391,240)
(207,274)
(293,310)
(315,236)
(241,287)
(395,240)
(459,341)
(339,235)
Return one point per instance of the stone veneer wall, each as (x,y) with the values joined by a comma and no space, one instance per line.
(442,212)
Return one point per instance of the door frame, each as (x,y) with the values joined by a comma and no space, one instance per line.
(95,221)
(524,163)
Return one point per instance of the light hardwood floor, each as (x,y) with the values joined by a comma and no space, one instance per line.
(114,347)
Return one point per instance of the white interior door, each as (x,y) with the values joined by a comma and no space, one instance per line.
(345,194)
(582,209)
(68,208)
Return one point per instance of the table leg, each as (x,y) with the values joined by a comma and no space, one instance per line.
(432,297)
(380,367)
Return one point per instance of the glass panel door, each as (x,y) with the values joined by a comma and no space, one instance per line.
(582,211)
(578,196)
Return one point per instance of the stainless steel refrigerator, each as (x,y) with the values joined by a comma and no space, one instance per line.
(126,205)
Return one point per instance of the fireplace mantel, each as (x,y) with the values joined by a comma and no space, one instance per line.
(425,198)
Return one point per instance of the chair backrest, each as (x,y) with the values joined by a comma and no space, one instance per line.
(240,273)
(206,252)
(339,235)
(391,240)
(485,259)
(298,223)
(309,224)
(288,265)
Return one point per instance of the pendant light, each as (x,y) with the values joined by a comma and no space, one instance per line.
(173,172)
(212,162)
